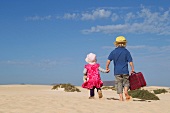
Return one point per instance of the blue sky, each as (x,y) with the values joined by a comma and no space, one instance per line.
(46,42)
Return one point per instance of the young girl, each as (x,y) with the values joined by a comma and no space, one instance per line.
(92,78)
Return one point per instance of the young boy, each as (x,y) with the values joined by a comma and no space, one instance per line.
(121,57)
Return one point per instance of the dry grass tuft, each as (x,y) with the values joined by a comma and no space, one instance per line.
(108,87)
(159,91)
(143,94)
(67,87)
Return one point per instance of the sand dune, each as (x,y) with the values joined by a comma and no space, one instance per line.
(41,99)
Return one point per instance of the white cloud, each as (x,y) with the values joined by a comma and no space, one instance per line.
(70,16)
(144,21)
(129,17)
(93,15)
(98,13)
(44,64)
(137,47)
(163,50)
(140,21)
(151,52)
(114,17)
(136,28)
(16,62)
(155,49)
(107,29)
(34,18)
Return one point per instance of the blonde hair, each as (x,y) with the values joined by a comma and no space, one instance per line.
(120,44)
(120,41)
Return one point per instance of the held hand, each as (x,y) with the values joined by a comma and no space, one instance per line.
(107,70)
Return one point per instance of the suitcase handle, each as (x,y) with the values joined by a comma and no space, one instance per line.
(133,73)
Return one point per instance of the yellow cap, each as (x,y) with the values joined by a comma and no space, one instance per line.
(120,39)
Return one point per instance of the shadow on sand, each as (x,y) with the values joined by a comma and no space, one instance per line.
(142,100)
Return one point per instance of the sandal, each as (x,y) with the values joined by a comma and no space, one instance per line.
(91,97)
(100,94)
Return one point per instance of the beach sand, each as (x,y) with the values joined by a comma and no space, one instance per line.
(41,99)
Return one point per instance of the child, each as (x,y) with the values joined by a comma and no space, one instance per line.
(91,77)
(121,57)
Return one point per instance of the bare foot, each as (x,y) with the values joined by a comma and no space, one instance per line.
(128,97)
(121,99)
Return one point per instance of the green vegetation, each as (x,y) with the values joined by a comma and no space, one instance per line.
(67,87)
(143,94)
(108,87)
(159,91)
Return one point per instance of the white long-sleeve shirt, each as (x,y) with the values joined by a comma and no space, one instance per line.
(100,69)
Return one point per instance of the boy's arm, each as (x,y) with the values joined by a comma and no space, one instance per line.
(132,67)
(107,64)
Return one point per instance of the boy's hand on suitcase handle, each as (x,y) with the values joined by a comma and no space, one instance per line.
(132,72)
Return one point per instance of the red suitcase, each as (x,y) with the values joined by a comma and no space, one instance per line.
(137,81)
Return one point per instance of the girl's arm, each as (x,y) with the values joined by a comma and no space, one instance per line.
(85,71)
(85,75)
(103,70)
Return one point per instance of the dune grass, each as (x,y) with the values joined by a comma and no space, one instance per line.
(67,87)
(108,87)
(143,94)
(159,91)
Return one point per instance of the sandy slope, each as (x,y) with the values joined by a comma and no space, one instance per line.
(41,99)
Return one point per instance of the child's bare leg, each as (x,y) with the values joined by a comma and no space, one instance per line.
(119,86)
(126,93)
(120,92)
(121,97)
(126,86)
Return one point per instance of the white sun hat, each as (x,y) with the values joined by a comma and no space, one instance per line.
(91,58)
